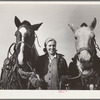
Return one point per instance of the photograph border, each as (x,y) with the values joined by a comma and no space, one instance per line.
(6,93)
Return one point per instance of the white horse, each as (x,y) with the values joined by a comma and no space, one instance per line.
(84,70)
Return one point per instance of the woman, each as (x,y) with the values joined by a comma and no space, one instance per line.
(51,68)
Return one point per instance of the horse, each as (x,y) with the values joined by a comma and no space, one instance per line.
(19,66)
(84,69)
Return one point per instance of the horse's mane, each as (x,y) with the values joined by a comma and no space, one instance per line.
(35,52)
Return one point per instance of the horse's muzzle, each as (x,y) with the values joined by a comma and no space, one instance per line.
(85,59)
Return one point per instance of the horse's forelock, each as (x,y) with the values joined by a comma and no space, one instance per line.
(84,24)
(26,23)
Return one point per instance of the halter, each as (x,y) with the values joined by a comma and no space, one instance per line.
(92,75)
(10,65)
(27,63)
(28,44)
(20,42)
(24,74)
(76,57)
(88,49)
(16,46)
(82,49)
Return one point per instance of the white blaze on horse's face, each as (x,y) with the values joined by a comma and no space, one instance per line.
(83,37)
(21,55)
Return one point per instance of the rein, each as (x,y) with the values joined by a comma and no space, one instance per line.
(76,77)
(9,50)
(22,73)
(37,40)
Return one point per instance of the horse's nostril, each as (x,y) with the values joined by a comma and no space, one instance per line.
(81,60)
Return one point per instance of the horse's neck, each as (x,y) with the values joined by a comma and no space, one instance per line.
(35,50)
(34,55)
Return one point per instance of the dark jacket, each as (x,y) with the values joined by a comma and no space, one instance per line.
(42,66)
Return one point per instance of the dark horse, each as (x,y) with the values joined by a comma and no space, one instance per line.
(84,70)
(20,66)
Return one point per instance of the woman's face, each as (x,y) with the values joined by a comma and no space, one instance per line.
(51,47)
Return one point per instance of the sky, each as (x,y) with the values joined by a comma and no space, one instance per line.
(55,17)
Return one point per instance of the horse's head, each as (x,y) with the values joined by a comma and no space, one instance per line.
(85,44)
(25,37)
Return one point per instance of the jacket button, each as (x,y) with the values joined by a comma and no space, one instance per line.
(49,71)
(49,78)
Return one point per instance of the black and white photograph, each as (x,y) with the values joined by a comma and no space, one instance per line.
(49,49)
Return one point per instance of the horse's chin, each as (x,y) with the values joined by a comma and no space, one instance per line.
(86,72)
(85,68)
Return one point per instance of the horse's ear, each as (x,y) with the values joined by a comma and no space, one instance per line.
(72,27)
(17,21)
(36,26)
(93,24)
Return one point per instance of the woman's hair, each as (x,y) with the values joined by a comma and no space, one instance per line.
(45,50)
(46,42)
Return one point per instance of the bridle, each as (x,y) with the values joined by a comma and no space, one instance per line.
(91,76)
(92,53)
(16,45)
(31,47)
(88,49)
(20,42)
(82,49)
(14,55)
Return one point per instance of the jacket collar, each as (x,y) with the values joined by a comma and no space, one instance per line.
(57,56)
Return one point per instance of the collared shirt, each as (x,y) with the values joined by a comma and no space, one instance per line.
(52,76)
(50,59)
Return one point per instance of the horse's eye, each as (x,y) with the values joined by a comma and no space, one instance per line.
(16,34)
(75,38)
